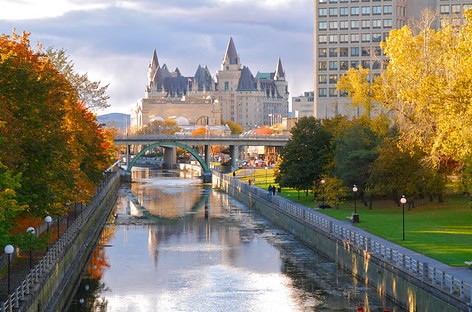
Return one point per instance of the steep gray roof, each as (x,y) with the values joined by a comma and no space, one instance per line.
(279,71)
(247,80)
(231,56)
(203,79)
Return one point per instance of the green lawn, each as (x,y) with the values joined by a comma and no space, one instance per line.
(441,231)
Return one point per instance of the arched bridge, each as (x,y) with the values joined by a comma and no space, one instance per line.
(149,141)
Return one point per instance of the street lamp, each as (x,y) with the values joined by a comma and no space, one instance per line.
(48,220)
(403,201)
(354,189)
(323,181)
(30,232)
(9,249)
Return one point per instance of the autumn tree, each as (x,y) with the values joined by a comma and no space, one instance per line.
(167,126)
(51,141)
(235,127)
(428,88)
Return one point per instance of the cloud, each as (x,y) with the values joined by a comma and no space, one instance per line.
(113,40)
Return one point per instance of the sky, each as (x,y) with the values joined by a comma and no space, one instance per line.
(113,41)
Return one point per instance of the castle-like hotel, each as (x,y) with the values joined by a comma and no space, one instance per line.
(235,94)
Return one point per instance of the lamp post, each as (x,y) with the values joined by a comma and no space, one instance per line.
(9,249)
(48,220)
(403,202)
(354,189)
(30,232)
(323,181)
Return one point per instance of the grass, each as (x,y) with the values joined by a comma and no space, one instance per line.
(440,231)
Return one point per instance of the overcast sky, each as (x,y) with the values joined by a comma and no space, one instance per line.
(113,41)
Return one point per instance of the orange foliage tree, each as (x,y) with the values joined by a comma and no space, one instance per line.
(51,141)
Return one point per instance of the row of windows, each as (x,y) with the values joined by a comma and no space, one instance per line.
(345,65)
(323,92)
(356,11)
(344,51)
(352,1)
(454,9)
(353,38)
(355,24)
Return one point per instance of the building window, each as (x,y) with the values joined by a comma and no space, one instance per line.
(333,25)
(366,37)
(388,9)
(343,52)
(322,52)
(354,37)
(343,25)
(322,39)
(333,52)
(354,24)
(322,12)
(365,10)
(333,12)
(322,25)
(376,65)
(377,51)
(226,85)
(333,78)
(365,51)
(376,23)
(355,64)
(344,38)
(376,10)
(365,24)
(354,11)
(366,64)
(344,65)
(355,51)
(456,9)
(333,38)
(376,37)
(387,23)
(322,65)
(322,92)
(322,79)
(343,11)
(333,65)
(332,92)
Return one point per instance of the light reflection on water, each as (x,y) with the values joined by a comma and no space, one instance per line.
(203,251)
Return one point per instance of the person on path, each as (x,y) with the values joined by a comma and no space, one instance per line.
(270,189)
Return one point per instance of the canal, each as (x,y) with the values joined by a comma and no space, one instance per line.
(174,244)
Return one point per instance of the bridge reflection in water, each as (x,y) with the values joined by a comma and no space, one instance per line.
(196,249)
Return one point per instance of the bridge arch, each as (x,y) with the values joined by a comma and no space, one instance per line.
(206,169)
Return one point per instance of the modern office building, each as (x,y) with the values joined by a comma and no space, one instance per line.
(234,95)
(347,33)
(302,106)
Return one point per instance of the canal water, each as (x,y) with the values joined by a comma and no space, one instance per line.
(174,244)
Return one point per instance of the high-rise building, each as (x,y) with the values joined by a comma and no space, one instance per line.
(235,95)
(347,33)
(302,106)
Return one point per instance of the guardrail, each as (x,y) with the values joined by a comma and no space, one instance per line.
(55,253)
(435,277)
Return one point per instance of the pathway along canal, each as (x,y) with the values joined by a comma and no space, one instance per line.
(197,249)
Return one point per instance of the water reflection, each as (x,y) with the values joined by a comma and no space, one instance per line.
(176,245)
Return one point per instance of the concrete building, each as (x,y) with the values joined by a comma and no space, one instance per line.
(302,106)
(235,95)
(347,33)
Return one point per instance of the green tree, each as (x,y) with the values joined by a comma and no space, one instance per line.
(354,152)
(306,155)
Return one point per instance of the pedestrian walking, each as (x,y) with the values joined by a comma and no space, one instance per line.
(270,189)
